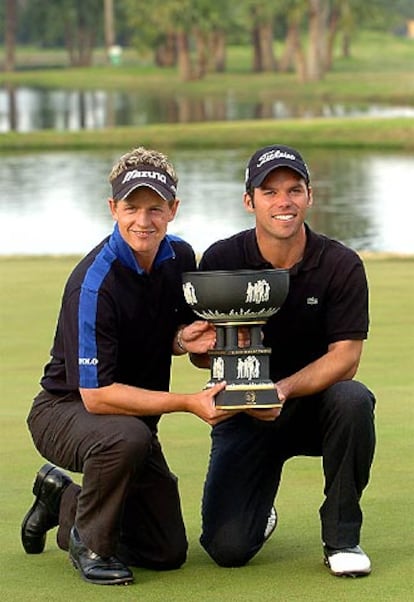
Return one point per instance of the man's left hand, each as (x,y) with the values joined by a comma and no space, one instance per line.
(198,337)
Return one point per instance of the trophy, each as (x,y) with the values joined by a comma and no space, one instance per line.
(232,299)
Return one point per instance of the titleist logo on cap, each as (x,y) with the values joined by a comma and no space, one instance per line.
(271,157)
(274,154)
(140,173)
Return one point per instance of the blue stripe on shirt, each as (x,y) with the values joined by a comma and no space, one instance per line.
(88,307)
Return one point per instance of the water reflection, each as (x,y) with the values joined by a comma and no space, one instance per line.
(55,203)
(25,109)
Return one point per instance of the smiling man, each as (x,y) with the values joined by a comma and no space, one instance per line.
(316,340)
(122,317)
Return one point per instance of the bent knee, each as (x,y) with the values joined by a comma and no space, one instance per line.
(352,396)
(173,561)
(168,559)
(226,551)
(128,440)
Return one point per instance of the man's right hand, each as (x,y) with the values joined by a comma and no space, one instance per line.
(202,405)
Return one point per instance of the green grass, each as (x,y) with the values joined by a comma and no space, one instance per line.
(289,567)
(362,133)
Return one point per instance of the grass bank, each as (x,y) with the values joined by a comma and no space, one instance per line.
(289,568)
(364,133)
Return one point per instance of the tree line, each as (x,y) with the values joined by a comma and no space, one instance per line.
(193,35)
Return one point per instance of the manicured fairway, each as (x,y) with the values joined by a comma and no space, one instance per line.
(289,568)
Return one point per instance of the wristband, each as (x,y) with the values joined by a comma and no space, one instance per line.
(180,341)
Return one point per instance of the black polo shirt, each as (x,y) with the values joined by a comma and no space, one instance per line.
(117,323)
(327,299)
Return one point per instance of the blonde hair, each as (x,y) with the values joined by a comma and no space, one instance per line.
(143,156)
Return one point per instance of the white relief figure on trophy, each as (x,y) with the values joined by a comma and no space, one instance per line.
(254,367)
(248,368)
(189,293)
(218,368)
(257,292)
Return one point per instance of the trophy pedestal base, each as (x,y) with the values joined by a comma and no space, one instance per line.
(243,396)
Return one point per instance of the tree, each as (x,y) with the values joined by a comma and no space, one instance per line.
(256,17)
(321,21)
(109,29)
(181,31)
(293,54)
(73,23)
(81,21)
(10,31)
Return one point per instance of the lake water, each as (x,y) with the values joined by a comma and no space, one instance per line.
(55,202)
(25,109)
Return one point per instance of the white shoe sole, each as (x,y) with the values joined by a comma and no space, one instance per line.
(348,564)
(271,523)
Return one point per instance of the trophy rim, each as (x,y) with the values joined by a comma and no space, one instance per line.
(247,272)
(218,306)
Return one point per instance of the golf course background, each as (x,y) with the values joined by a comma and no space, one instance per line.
(289,568)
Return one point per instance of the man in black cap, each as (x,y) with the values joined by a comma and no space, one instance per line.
(122,316)
(316,340)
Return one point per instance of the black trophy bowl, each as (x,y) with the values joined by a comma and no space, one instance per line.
(231,299)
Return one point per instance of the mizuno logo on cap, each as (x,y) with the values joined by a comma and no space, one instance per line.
(138,173)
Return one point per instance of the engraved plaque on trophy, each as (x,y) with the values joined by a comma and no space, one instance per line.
(233,299)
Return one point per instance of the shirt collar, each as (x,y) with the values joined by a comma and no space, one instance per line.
(315,245)
(127,257)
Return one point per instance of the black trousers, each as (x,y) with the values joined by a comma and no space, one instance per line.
(129,502)
(247,457)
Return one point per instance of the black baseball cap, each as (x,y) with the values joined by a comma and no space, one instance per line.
(144,175)
(271,157)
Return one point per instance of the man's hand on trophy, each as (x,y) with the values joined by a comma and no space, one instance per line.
(269,414)
(198,337)
(202,405)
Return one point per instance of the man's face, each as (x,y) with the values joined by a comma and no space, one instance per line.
(280,204)
(143,220)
